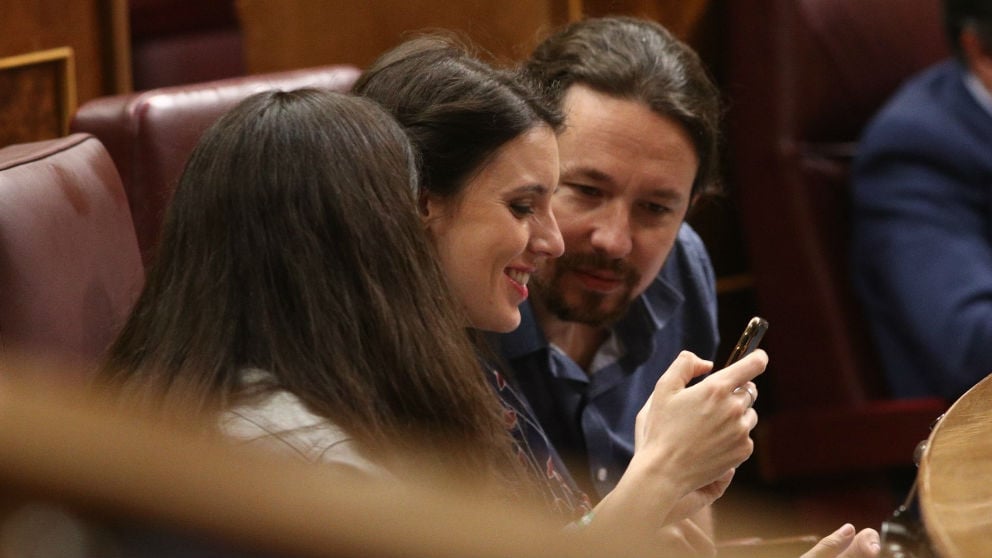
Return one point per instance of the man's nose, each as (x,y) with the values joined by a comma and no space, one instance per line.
(611,234)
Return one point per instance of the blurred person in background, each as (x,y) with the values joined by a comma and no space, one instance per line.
(922,217)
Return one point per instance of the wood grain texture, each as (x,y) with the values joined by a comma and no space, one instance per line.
(287,34)
(95,30)
(955,473)
(37,95)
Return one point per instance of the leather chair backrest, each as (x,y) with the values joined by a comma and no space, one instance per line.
(806,75)
(151,134)
(850,56)
(70,268)
(169,39)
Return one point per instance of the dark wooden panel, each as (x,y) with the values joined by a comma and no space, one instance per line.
(37,95)
(286,34)
(96,30)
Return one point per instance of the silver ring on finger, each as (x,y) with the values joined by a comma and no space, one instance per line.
(751,395)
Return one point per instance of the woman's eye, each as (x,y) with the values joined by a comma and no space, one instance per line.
(521,209)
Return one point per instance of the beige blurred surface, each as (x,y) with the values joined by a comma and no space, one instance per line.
(71,449)
(955,475)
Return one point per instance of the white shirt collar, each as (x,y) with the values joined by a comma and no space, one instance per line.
(978,91)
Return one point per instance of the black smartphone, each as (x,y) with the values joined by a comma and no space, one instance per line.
(749,340)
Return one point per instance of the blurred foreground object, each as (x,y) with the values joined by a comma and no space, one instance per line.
(76,449)
(955,492)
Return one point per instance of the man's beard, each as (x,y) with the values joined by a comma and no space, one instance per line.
(589,309)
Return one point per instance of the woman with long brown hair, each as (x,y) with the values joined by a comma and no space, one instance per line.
(294,297)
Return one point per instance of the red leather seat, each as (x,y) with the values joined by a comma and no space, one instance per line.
(804,78)
(70,268)
(151,134)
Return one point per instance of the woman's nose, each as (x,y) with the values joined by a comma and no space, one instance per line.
(546,239)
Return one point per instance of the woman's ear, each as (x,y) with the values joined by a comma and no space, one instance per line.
(432,208)
(423,204)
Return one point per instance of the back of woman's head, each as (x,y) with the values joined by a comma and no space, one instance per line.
(457,110)
(292,245)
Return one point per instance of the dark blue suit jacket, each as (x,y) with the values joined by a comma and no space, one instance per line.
(922,234)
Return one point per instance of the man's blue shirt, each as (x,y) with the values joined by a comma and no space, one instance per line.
(590,417)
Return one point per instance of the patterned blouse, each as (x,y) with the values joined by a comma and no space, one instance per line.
(561,494)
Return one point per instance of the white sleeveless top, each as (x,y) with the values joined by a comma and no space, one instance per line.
(281,422)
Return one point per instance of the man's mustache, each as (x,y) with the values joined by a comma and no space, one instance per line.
(598,262)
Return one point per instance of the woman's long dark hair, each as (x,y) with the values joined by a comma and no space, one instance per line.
(292,245)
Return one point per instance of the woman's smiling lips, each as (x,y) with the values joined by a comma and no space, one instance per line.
(519,278)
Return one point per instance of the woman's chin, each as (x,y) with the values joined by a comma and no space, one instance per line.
(498,324)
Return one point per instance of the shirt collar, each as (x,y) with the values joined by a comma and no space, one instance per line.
(649,313)
(978,91)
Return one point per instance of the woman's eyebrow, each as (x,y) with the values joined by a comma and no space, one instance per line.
(539,189)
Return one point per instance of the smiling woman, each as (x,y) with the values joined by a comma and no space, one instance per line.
(489,164)
(488,168)
(504,207)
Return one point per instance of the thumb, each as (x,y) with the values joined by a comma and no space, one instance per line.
(833,544)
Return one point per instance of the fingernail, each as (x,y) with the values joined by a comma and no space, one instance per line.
(846,529)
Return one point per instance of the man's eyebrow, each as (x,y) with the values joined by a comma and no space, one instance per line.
(600,177)
(588,173)
(666,194)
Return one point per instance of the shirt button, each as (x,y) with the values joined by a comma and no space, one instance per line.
(601,474)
